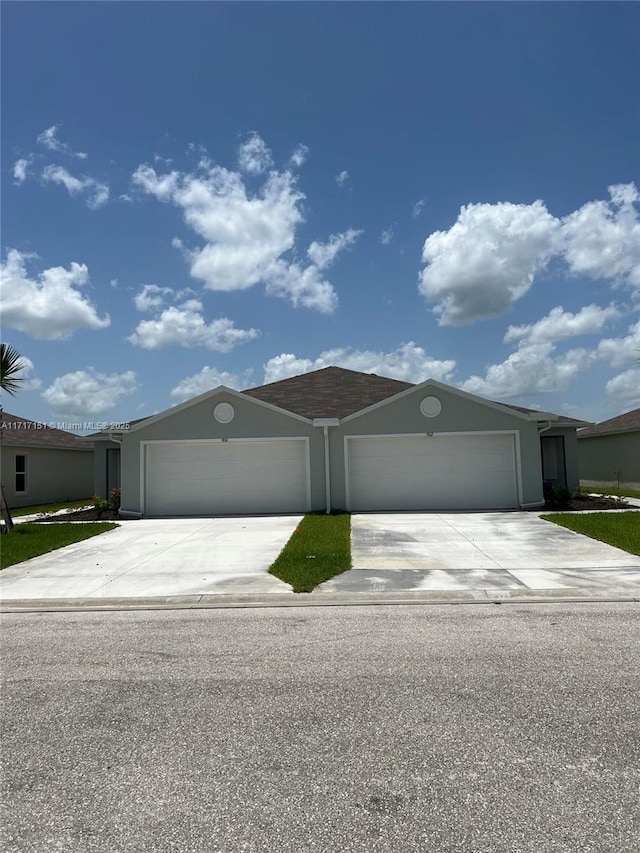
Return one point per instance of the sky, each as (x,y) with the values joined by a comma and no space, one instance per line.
(196,194)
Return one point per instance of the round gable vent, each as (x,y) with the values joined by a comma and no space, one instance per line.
(430,407)
(224,413)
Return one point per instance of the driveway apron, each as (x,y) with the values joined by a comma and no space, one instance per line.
(159,557)
(485,551)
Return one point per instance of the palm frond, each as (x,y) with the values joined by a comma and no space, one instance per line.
(11,364)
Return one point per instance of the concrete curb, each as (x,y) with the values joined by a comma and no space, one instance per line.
(225,601)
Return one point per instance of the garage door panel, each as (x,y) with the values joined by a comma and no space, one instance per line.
(432,472)
(209,478)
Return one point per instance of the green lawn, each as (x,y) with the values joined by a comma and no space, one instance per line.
(31,510)
(621,529)
(319,549)
(32,540)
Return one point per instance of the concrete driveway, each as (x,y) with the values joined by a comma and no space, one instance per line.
(487,553)
(159,558)
(399,556)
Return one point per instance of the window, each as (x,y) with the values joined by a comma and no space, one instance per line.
(21,473)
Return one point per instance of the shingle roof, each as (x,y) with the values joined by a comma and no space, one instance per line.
(335,392)
(20,432)
(332,392)
(627,422)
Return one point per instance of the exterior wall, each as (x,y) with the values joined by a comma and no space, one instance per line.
(570,453)
(52,475)
(610,460)
(251,420)
(458,415)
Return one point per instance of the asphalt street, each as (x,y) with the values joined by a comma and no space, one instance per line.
(477,728)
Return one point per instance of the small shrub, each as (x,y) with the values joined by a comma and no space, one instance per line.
(556,497)
(110,504)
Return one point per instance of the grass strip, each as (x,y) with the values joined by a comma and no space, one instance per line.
(32,510)
(319,549)
(32,540)
(621,529)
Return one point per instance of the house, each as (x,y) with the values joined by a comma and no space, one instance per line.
(609,453)
(40,464)
(336,439)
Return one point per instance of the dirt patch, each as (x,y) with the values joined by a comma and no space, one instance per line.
(586,502)
(81,515)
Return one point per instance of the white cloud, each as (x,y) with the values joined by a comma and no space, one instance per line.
(246,236)
(417,208)
(559,325)
(97,193)
(162,187)
(625,388)
(299,156)
(151,297)
(342,178)
(486,260)
(324,254)
(208,378)
(602,238)
(387,236)
(20,170)
(301,286)
(87,392)
(49,138)
(619,351)
(51,307)
(185,326)
(409,363)
(531,369)
(254,157)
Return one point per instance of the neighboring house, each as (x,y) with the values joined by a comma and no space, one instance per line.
(609,453)
(336,439)
(40,464)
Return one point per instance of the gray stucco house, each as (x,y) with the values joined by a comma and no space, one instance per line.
(609,453)
(41,464)
(336,439)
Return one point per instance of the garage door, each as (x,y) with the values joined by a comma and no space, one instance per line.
(431,472)
(230,477)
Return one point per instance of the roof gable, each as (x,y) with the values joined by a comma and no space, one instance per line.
(524,414)
(142,423)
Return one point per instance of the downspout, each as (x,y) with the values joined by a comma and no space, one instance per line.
(327,469)
(544,429)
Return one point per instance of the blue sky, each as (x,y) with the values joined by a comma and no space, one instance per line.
(198,194)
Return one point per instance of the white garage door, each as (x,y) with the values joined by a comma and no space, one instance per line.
(231,477)
(436,472)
